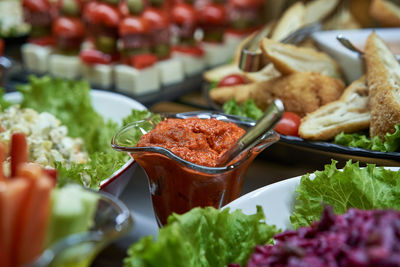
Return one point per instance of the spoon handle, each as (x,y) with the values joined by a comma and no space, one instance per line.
(267,122)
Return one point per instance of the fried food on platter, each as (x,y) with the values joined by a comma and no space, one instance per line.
(383,77)
(289,59)
(385,12)
(348,114)
(301,92)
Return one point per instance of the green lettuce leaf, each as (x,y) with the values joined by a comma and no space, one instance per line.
(361,140)
(248,109)
(203,237)
(3,103)
(363,188)
(70,102)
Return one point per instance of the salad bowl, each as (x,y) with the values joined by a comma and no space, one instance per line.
(112,220)
(277,201)
(111,106)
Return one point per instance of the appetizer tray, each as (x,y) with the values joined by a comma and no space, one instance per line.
(170,92)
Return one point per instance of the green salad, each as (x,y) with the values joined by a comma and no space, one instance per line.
(211,237)
(70,102)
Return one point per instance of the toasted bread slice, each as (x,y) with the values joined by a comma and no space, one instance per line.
(343,19)
(292,19)
(300,92)
(385,12)
(319,9)
(383,77)
(348,114)
(267,73)
(289,59)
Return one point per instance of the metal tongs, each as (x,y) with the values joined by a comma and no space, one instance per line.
(252,58)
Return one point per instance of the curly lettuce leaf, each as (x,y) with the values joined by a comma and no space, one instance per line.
(70,102)
(248,109)
(203,237)
(363,188)
(361,140)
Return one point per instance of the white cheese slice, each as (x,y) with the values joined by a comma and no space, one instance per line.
(63,66)
(36,57)
(171,71)
(216,54)
(99,75)
(191,64)
(133,81)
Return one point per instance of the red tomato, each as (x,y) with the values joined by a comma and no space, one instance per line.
(143,61)
(157,18)
(191,50)
(133,25)
(212,14)
(247,3)
(43,41)
(37,5)
(233,79)
(94,57)
(289,124)
(68,27)
(101,13)
(183,13)
(1,47)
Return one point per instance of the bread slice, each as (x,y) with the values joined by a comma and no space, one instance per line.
(267,73)
(292,19)
(300,92)
(348,114)
(289,59)
(385,12)
(383,77)
(317,10)
(217,73)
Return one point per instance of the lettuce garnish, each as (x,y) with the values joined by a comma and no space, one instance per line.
(248,109)
(203,237)
(361,140)
(70,102)
(363,188)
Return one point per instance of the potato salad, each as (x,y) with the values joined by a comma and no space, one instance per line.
(47,138)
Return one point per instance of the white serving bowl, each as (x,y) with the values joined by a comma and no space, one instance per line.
(115,107)
(277,201)
(350,62)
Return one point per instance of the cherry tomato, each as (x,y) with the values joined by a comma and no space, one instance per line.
(183,13)
(94,57)
(289,124)
(233,79)
(43,41)
(191,50)
(37,5)
(212,14)
(101,13)
(68,27)
(247,3)
(143,61)
(1,47)
(133,25)
(157,18)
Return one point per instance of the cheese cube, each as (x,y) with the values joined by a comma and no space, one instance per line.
(63,66)
(216,54)
(134,81)
(191,64)
(36,57)
(171,71)
(99,75)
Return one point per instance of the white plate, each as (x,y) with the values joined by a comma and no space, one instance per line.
(111,106)
(277,201)
(350,62)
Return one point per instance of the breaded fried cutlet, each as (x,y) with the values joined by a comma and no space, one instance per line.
(383,77)
(300,93)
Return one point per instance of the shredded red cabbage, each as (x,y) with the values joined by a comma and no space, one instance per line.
(356,238)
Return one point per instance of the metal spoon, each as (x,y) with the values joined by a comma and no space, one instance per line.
(267,122)
(348,44)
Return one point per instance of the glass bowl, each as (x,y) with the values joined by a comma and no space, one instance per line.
(112,220)
(177,185)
